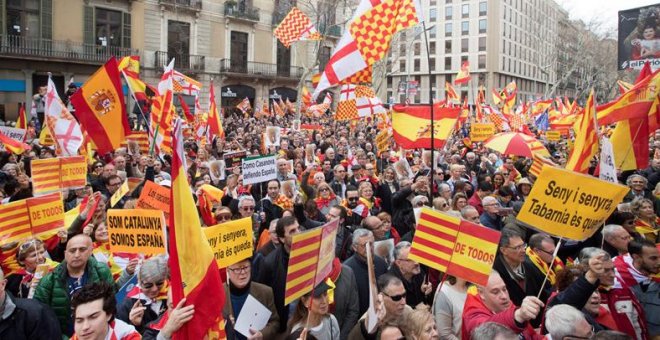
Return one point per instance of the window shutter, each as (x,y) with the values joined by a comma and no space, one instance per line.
(88,30)
(46,19)
(126,30)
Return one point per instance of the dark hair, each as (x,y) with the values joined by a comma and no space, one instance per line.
(351,188)
(611,335)
(485,186)
(282,223)
(536,240)
(567,276)
(342,210)
(110,178)
(386,280)
(95,291)
(507,235)
(635,246)
(505,191)
(198,179)
(619,217)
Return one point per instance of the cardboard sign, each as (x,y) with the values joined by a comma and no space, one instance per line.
(54,174)
(479,132)
(154,196)
(233,159)
(259,169)
(383,140)
(230,241)
(607,168)
(121,192)
(136,231)
(13,133)
(553,136)
(474,253)
(37,216)
(567,204)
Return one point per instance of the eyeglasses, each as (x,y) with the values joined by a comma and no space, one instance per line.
(518,247)
(239,270)
(396,298)
(114,184)
(547,252)
(324,189)
(421,203)
(149,285)
(223,217)
(247,208)
(98,166)
(28,244)
(352,198)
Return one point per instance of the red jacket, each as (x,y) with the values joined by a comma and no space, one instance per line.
(475,201)
(475,313)
(620,302)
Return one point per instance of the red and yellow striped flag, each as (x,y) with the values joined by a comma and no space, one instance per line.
(100,108)
(14,222)
(22,121)
(538,162)
(474,253)
(12,145)
(45,175)
(310,261)
(586,140)
(141,138)
(434,239)
(194,271)
(46,215)
(451,93)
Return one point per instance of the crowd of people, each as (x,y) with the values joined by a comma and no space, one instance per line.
(605,287)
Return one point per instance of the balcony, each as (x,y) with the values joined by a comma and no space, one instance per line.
(241,12)
(182,62)
(190,5)
(58,50)
(257,69)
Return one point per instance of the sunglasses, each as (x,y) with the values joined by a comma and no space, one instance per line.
(352,198)
(421,204)
(396,298)
(149,285)
(324,189)
(223,217)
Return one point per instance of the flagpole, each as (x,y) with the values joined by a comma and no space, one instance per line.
(428,61)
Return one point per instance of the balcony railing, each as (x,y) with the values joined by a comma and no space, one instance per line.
(182,62)
(260,69)
(37,48)
(194,5)
(243,12)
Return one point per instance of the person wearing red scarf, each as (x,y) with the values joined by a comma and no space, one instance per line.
(491,303)
(325,198)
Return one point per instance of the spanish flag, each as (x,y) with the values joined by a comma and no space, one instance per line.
(22,121)
(635,103)
(214,121)
(12,145)
(463,75)
(100,108)
(451,94)
(411,125)
(194,271)
(586,140)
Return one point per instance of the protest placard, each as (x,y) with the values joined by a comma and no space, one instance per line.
(136,231)
(55,174)
(15,222)
(230,241)
(479,132)
(13,133)
(435,236)
(553,135)
(37,216)
(259,169)
(383,140)
(233,159)
(121,191)
(154,196)
(607,170)
(567,204)
(474,253)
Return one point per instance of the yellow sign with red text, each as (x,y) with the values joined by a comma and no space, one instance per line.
(55,174)
(479,132)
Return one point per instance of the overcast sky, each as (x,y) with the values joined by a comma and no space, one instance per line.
(602,10)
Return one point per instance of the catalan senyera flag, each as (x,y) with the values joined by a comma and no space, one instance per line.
(278,109)
(306,97)
(186,109)
(296,26)
(45,175)
(463,75)
(435,236)
(48,225)
(367,38)
(624,86)
(22,121)
(411,125)
(497,97)
(474,253)
(538,162)
(310,260)
(141,138)
(586,140)
(100,108)
(451,93)
(12,145)
(14,222)
(194,271)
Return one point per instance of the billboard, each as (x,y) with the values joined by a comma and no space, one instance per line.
(639,37)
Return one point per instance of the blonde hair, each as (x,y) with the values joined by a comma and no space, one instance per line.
(415,320)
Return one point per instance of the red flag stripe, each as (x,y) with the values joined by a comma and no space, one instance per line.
(302,257)
(434,245)
(301,272)
(429,257)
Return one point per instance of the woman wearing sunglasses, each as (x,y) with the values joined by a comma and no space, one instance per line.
(29,254)
(148,302)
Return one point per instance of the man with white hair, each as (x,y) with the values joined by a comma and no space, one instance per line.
(564,322)
(490,217)
(616,239)
(363,238)
(470,213)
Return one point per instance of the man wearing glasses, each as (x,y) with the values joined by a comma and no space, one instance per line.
(510,264)
(362,238)
(418,290)
(78,269)
(491,215)
(541,262)
(237,289)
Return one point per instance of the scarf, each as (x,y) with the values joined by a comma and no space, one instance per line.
(324,202)
(627,274)
(646,229)
(283,202)
(103,254)
(557,265)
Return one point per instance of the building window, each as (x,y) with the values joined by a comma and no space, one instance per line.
(465,11)
(389,82)
(447,63)
(433,14)
(482,44)
(432,47)
(448,29)
(283,60)
(402,66)
(178,44)
(432,2)
(416,65)
(464,58)
(448,12)
(23,18)
(483,8)
(239,51)
(465,45)
(482,61)
(108,27)
(417,48)
(465,28)
(447,46)
(434,80)
(432,64)
(432,33)
(482,26)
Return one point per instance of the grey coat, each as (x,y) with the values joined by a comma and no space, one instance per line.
(347,302)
